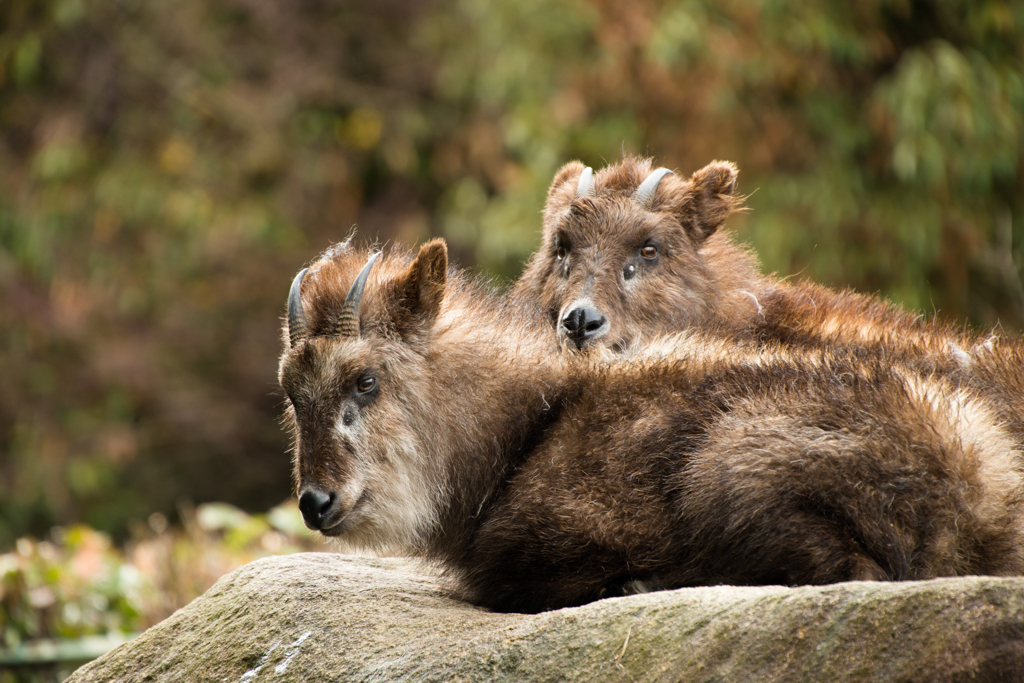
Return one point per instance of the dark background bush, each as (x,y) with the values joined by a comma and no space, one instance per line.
(166,168)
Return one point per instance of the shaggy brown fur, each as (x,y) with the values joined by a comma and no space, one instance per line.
(668,268)
(994,369)
(593,253)
(448,429)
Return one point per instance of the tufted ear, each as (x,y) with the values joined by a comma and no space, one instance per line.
(566,186)
(569,173)
(711,198)
(420,289)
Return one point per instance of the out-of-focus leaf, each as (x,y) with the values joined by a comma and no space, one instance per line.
(220,517)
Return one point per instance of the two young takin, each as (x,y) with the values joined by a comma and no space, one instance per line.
(431,417)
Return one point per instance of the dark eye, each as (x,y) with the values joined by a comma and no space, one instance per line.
(366,385)
(649,252)
(561,253)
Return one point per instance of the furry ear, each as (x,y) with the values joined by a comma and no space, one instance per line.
(571,171)
(711,198)
(564,186)
(420,290)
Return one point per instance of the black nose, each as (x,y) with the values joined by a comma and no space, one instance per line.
(315,506)
(583,323)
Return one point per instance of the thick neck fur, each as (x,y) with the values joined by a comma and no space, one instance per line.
(502,386)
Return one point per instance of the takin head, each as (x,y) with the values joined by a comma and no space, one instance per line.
(633,252)
(351,371)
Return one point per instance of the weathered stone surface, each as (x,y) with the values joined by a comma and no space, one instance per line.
(320,617)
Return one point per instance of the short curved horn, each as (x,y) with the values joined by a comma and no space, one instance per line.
(296,317)
(644,195)
(348,321)
(585,186)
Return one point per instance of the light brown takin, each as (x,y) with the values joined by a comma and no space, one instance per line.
(431,418)
(634,252)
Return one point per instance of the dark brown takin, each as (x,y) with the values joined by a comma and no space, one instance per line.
(431,418)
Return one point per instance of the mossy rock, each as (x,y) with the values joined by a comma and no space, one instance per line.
(323,617)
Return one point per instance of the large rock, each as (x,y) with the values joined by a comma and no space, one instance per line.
(320,617)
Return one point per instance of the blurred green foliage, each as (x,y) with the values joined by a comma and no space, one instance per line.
(166,168)
(73,587)
(77,583)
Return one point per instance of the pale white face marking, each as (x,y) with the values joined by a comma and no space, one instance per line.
(390,469)
(341,430)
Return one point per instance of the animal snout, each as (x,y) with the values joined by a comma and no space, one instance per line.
(584,323)
(316,507)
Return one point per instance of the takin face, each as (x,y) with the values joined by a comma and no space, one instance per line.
(351,377)
(635,252)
